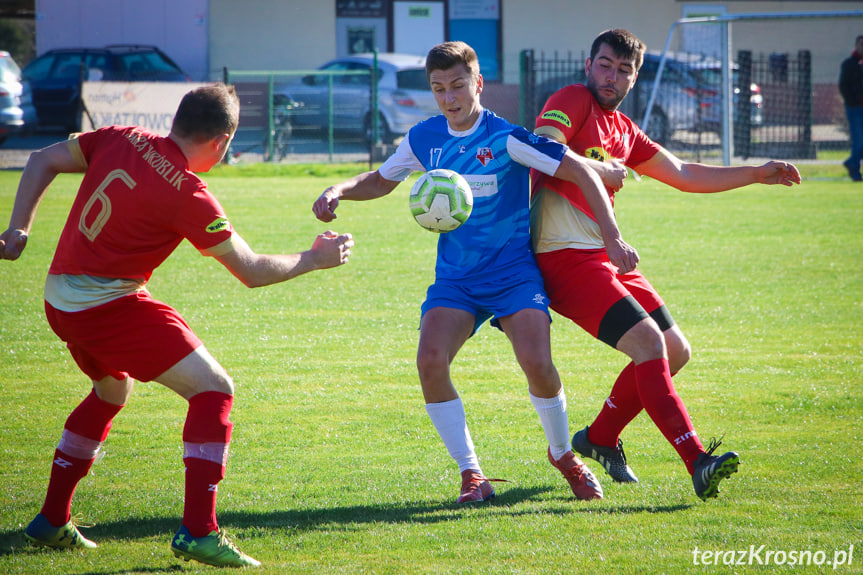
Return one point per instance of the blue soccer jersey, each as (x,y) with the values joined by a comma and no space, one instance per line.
(495,157)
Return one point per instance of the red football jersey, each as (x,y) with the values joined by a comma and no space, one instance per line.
(592,132)
(136,203)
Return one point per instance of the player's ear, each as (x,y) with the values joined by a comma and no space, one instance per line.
(479,83)
(587,64)
(221,142)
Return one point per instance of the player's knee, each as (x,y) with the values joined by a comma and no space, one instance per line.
(431,362)
(538,368)
(679,352)
(651,339)
(678,360)
(114,391)
(643,342)
(222,382)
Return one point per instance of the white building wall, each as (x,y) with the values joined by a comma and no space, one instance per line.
(177,27)
(204,36)
(271,34)
(567,24)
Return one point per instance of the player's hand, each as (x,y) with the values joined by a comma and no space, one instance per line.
(776,172)
(332,249)
(613,174)
(622,256)
(325,206)
(12,243)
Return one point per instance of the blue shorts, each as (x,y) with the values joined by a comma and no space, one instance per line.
(493,300)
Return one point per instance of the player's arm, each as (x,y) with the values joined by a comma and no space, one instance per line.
(256,270)
(704,179)
(612,173)
(576,169)
(41,169)
(366,186)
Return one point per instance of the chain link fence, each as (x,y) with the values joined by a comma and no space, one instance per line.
(772,102)
(706,102)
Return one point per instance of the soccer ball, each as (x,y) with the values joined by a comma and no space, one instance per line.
(441,200)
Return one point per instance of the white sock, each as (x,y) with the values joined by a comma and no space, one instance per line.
(552,415)
(451,424)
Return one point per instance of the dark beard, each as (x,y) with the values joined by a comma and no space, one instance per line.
(604,103)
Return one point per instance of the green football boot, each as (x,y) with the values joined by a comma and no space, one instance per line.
(41,533)
(213,549)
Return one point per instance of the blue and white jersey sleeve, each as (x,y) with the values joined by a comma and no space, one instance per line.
(399,166)
(534,151)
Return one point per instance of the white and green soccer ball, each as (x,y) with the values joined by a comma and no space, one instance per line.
(441,200)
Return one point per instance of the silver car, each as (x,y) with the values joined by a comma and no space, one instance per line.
(343,91)
(688,97)
(17,113)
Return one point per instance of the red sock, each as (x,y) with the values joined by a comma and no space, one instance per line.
(85,430)
(206,436)
(667,410)
(621,407)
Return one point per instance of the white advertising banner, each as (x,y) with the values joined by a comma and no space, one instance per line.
(150,105)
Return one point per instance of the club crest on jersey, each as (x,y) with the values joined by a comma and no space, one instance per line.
(597,154)
(484,156)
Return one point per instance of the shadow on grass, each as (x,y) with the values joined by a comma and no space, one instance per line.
(343,518)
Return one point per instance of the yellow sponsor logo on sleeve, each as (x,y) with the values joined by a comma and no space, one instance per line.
(218,225)
(557,116)
(597,154)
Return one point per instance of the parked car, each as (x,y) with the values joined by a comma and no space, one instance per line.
(55,77)
(16,108)
(709,74)
(689,96)
(404,95)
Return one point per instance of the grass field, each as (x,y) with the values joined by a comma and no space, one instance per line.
(335,467)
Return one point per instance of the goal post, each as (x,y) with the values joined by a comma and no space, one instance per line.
(715,108)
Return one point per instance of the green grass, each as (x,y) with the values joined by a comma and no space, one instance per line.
(335,467)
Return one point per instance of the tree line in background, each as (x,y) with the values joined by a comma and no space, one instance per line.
(18,37)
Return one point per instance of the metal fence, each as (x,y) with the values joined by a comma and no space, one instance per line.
(772,108)
(276,127)
(777,112)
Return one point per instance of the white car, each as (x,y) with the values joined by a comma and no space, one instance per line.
(17,113)
(342,91)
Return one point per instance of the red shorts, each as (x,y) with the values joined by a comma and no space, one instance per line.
(583,285)
(133,336)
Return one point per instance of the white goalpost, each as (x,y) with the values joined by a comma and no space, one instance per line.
(725,55)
